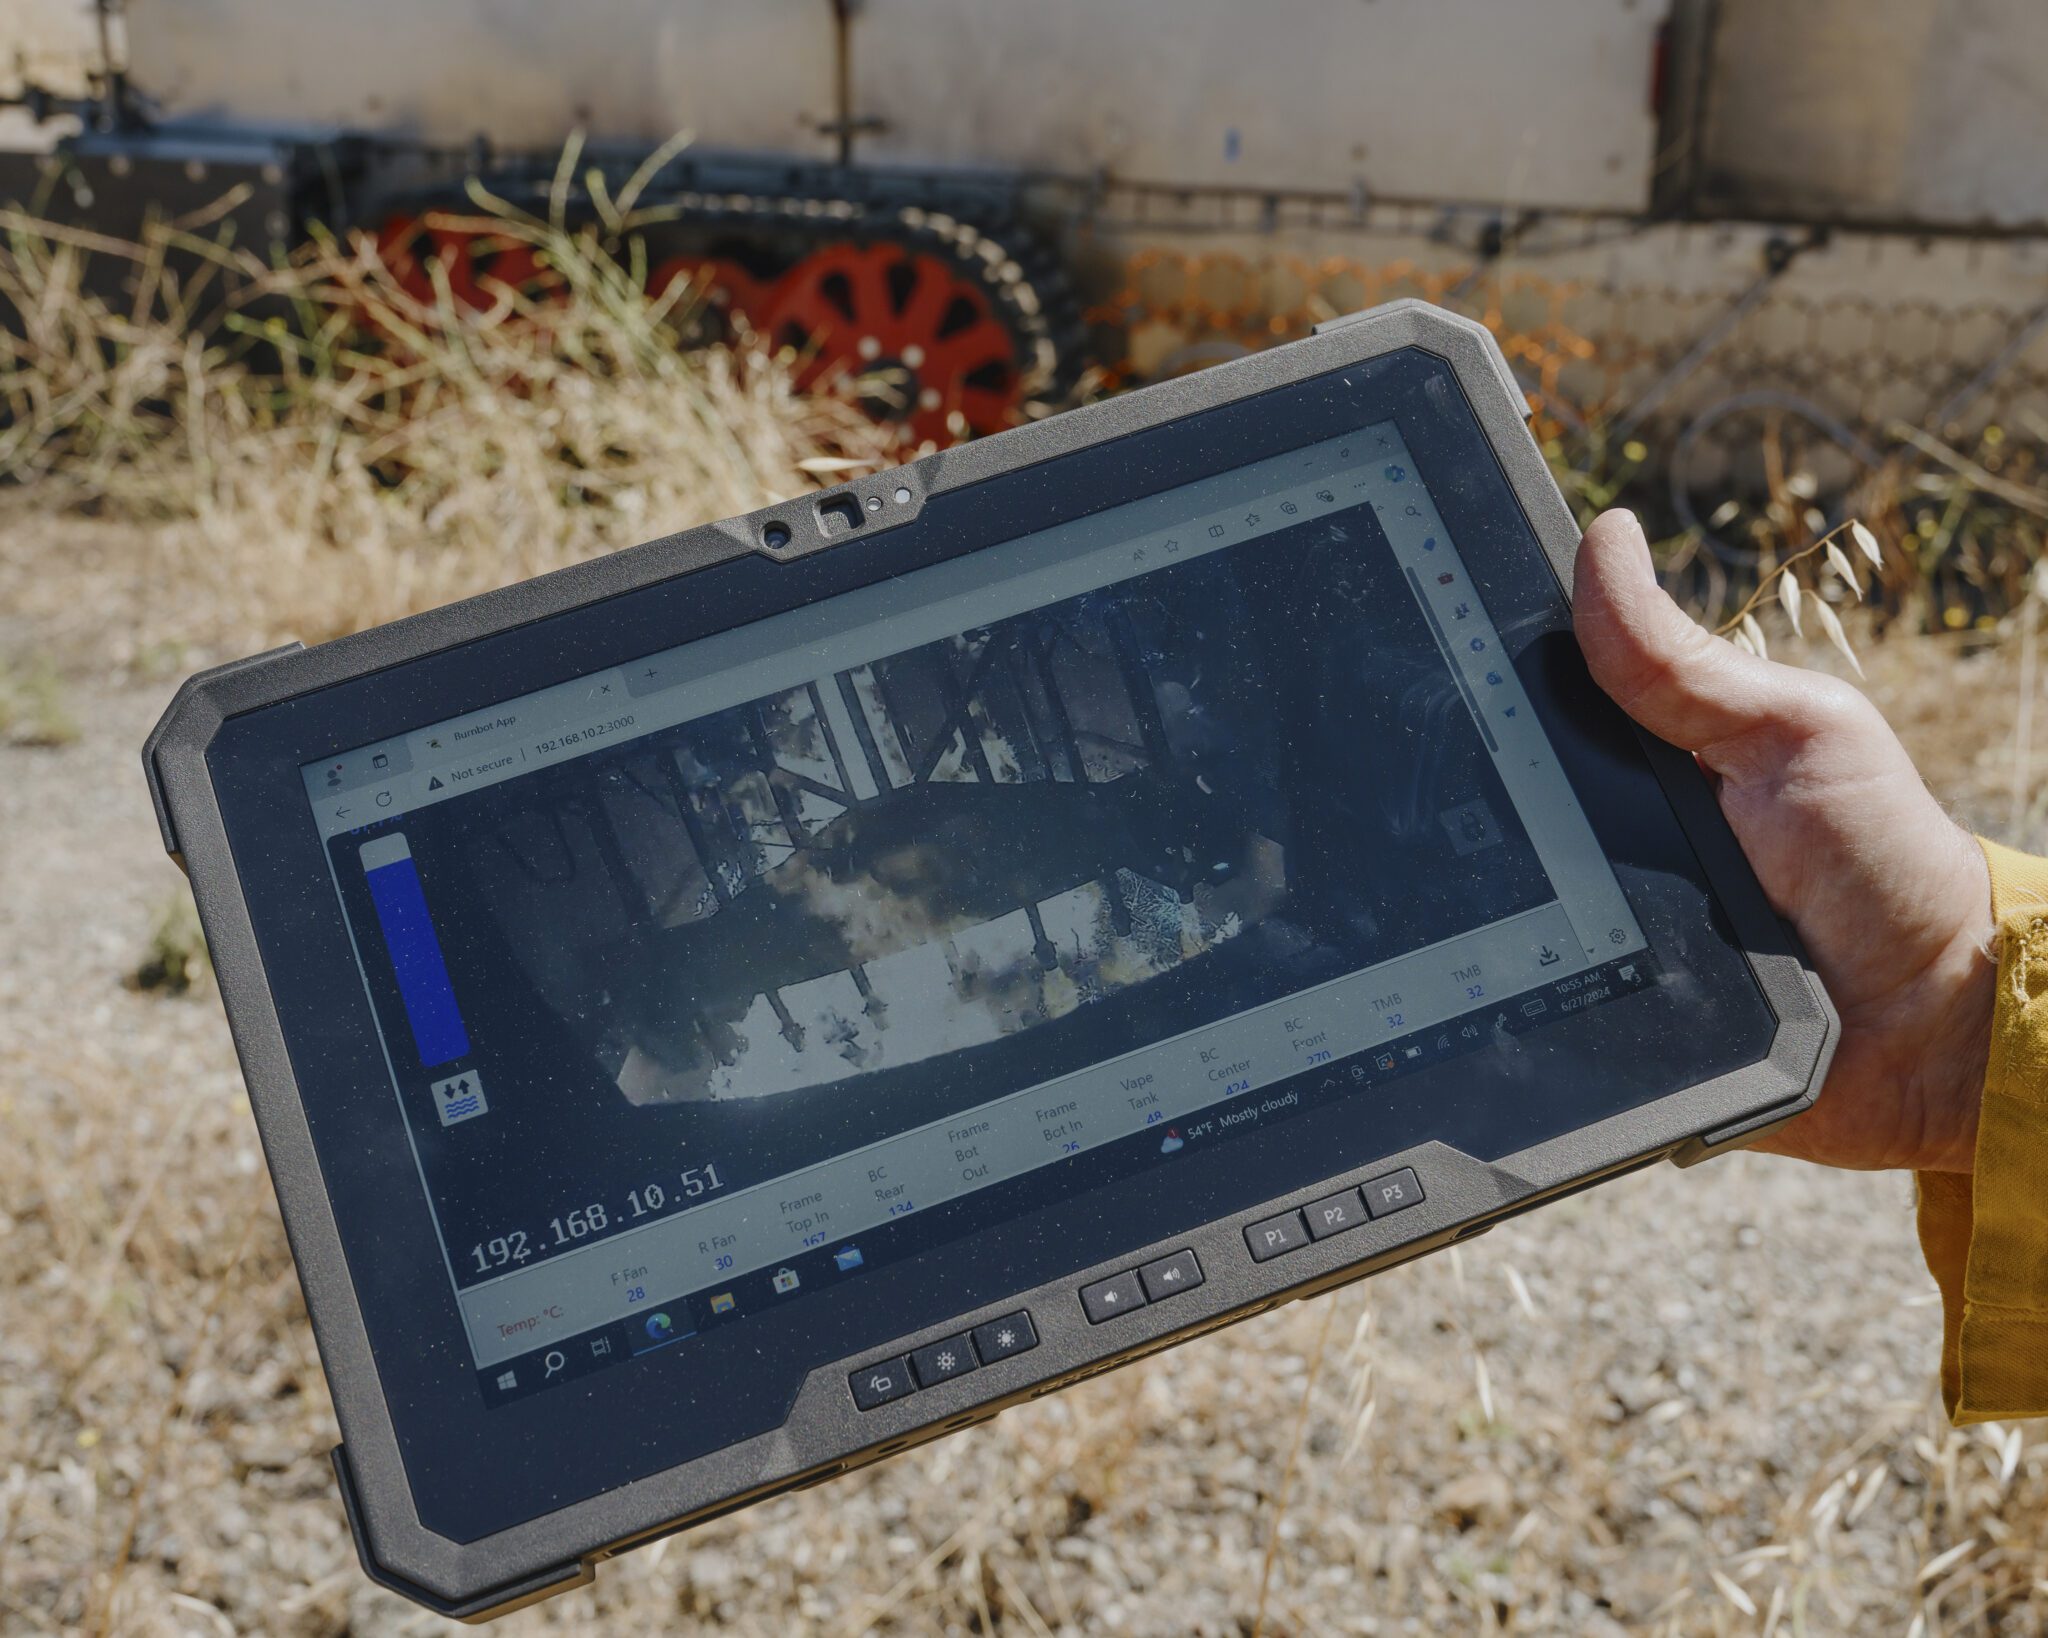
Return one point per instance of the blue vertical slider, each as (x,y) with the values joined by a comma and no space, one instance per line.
(415,952)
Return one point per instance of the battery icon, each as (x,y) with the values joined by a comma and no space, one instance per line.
(416,959)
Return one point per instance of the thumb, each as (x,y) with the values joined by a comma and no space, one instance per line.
(1678,680)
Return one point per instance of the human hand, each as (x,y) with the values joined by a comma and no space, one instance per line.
(1891,896)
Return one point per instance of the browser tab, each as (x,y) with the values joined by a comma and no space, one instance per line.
(508,727)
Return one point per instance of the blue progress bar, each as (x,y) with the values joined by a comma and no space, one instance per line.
(415,952)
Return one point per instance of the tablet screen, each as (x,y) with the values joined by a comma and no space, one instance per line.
(701,978)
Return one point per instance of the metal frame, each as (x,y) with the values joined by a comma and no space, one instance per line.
(824,1434)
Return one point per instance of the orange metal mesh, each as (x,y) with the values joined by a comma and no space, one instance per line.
(1585,349)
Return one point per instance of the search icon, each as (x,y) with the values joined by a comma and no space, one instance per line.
(1413,511)
(551,1362)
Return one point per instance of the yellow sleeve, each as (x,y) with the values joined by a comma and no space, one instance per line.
(1985,1236)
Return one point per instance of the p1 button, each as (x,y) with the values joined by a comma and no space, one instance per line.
(1276,1236)
(875,1385)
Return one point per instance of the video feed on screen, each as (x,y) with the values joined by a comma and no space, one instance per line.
(963,842)
(1157,802)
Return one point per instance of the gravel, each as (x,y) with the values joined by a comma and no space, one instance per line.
(1687,1402)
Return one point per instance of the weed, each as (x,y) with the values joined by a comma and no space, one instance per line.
(176,959)
(33,710)
(1750,1443)
(329,451)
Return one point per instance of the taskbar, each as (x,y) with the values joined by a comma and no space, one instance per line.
(654,1324)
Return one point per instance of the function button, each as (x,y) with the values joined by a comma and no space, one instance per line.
(1397,1191)
(1335,1215)
(1276,1235)
(881,1382)
(1170,1276)
(1000,1338)
(941,1361)
(1106,1299)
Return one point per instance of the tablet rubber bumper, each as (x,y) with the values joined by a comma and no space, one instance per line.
(192,687)
(825,1433)
(482,1606)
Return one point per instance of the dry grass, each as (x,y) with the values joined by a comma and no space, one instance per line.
(1962,525)
(1637,1412)
(1684,1403)
(32,706)
(332,452)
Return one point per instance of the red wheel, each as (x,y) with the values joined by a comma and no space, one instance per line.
(954,338)
(850,310)
(726,286)
(475,260)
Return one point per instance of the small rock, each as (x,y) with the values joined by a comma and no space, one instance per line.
(1482,1497)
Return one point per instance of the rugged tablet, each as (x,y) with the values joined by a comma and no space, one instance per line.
(724,1013)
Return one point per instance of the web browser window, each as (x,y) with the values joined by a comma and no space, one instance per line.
(703,979)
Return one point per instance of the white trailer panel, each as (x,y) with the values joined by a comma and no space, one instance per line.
(53,44)
(1543,102)
(523,73)
(1898,112)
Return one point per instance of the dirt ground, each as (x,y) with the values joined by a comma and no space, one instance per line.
(1697,1402)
